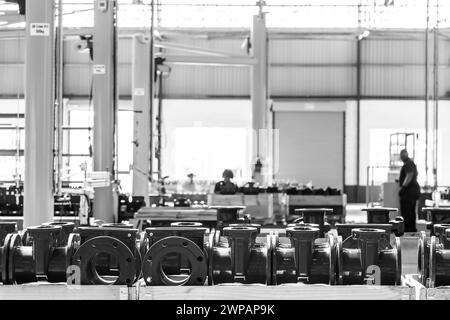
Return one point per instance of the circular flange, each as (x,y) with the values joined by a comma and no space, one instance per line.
(14,242)
(4,260)
(422,266)
(143,243)
(86,255)
(73,243)
(432,266)
(153,272)
(339,257)
(398,278)
(332,244)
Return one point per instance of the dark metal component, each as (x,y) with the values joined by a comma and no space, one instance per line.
(182,202)
(240,258)
(253,225)
(187,255)
(124,234)
(367,256)
(42,259)
(440,230)
(423,263)
(439,262)
(250,189)
(345,230)
(303,257)
(434,257)
(175,255)
(186,224)
(117,225)
(228,215)
(315,216)
(66,229)
(436,216)
(378,217)
(5,228)
(87,256)
(127,209)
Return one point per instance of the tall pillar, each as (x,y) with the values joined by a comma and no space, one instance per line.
(104,97)
(141,119)
(39,110)
(259,92)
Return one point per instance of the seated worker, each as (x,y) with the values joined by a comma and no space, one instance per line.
(190,185)
(226,186)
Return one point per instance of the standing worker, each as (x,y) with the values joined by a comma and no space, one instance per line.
(226,186)
(409,191)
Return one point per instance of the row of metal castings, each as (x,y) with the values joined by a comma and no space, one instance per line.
(57,252)
(434,257)
(187,254)
(366,253)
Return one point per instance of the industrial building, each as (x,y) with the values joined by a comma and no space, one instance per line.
(224,149)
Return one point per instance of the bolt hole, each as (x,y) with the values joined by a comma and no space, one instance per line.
(185,244)
(149,258)
(200,259)
(114,244)
(200,279)
(164,244)
(128,281)
(128,259)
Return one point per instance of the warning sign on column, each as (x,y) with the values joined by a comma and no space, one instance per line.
(40,29)
(99,69)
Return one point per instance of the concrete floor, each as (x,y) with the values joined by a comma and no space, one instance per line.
(409,242)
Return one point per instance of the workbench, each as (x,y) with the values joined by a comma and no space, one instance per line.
(263,208)
(337,203)
(175,214)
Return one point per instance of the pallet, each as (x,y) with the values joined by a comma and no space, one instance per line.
(61,291)
(439,293)
(176,214)
(282,292)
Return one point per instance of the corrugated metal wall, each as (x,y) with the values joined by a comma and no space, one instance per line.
(303,64)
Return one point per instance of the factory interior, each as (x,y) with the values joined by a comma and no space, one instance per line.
(224,149)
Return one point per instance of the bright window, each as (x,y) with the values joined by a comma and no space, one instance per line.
(206,152)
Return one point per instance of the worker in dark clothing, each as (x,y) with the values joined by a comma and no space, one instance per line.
(409,191)
(226,186)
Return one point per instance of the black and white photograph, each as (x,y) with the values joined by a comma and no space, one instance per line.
(224,158)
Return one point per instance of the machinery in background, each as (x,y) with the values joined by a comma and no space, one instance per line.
(11,201)
(129,205)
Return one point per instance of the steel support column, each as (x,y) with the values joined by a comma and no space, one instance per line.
(39,112)
(259,91)
(104,97)
(141,120)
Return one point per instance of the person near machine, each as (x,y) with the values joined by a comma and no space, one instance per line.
(226,186)
(189,185)
(409,191)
